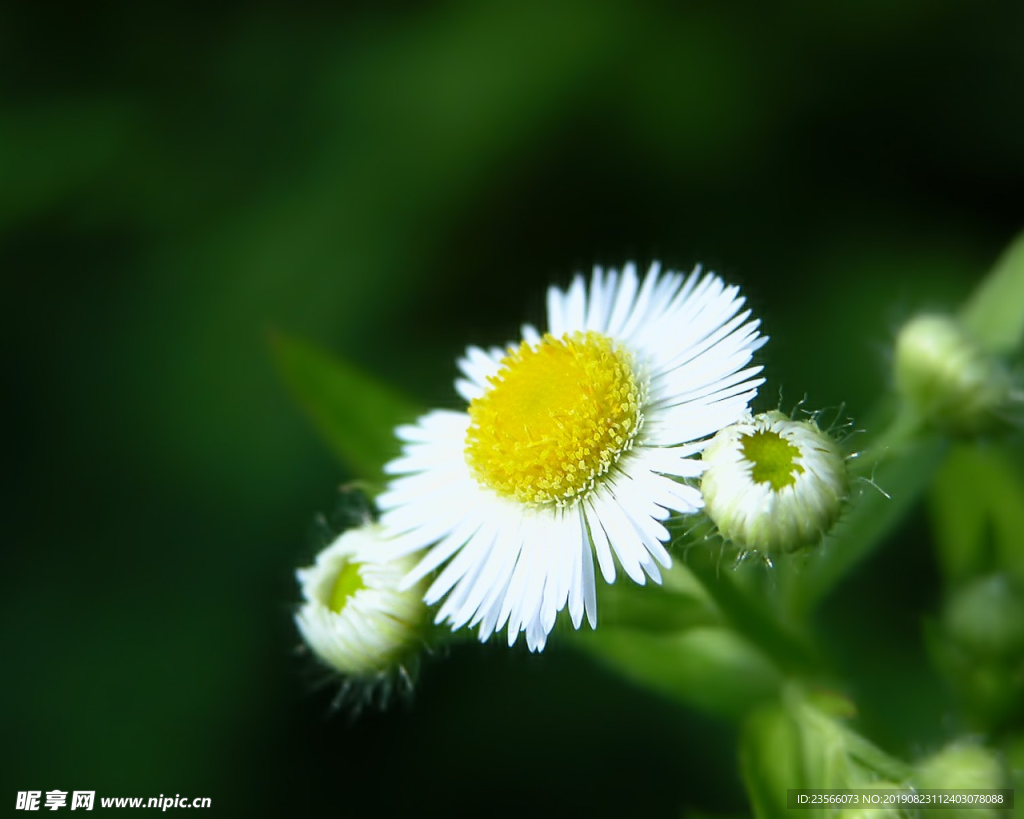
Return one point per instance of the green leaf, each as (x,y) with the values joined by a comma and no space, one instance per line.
(681,602)
(901,465)
(995,312)
(790,744)
(707,667)
(1013,751)
(745,607)
(355,414)
(771,760)
(653,609)
(793,743)
(977,513)
(682,639)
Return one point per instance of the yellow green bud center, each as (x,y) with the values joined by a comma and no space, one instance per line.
(347,583)
(556,417)
(773,459)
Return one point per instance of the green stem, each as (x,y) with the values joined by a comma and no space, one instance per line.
(889,474)
(791,653)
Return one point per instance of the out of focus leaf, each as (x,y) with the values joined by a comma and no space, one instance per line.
(995,313)
(977,512)
(792,743)
(1013,750)
(681,602)
(355,414)
(995,316)
(771,760)
(744,605)
(691,638)
(789,744)
(880,501)
(985,674)
(710,668)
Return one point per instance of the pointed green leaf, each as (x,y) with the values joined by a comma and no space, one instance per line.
(794,744)
(995,313)
(771,761)
(355,413)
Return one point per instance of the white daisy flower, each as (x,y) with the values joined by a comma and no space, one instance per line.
(576,443)
(774,484)
(353,615)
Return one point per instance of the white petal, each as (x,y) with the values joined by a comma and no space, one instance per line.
(600,539)
(580,554)
(600,301)
(575,306)
(639,315)
(623,301)
(467,563)
(435,557)
(589,587)
(495,573)
(478,366)
(530,335)
(556,312)
(622,538)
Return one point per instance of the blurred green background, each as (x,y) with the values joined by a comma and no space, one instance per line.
(394,181)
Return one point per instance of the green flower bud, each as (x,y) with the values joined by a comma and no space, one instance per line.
(962,766)
(946,376)
(773,484)
(986,617)
(353,615)
(979,646)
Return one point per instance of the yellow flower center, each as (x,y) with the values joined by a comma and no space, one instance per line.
(772,457)
(556,417)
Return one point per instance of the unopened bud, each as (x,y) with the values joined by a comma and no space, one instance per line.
(353,616)
(773,484)
(946,376)
(986,617)
(962,766)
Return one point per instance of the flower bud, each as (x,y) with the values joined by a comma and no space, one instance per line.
(986,617)
(773,484)
(962,766)
(353,616)
(946,376)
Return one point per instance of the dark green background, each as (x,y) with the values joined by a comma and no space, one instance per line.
(394,181)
